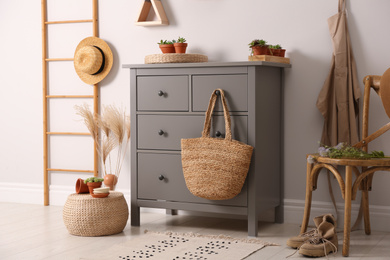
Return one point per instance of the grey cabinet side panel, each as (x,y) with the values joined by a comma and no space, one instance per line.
(268,140)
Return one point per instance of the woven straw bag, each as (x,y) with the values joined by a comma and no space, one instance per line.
(215,168)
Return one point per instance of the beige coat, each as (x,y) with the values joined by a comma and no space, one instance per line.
(338,100)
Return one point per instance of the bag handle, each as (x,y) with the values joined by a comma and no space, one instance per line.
(341,5)
(209,112)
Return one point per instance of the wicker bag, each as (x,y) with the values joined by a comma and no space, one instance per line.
(215,168)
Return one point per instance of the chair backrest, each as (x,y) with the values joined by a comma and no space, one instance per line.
(381,85)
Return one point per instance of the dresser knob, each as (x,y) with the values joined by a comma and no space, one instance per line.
(218,134)
(161,177)
(160,93)
(160,132)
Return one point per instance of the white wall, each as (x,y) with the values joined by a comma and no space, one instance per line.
(219,29)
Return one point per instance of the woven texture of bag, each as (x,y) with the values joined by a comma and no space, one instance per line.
(215,168)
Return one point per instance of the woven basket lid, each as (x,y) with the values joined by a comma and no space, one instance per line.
(175,58)
(93,60)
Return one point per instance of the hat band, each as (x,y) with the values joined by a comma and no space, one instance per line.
(103,62)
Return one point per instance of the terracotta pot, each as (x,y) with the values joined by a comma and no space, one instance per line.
(282,52)
(259,50)
(167,48)
(81,187)
(93,185)
(275,52)
(110,180)
(180,47)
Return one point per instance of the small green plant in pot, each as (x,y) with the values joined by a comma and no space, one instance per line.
(274,49)
(166,46)
(258,47)
(282,51)
(180,45)
(93,182)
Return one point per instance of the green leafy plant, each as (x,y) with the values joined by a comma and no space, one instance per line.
(181,40)
(277,46)
(343,150)
(93,179)
(164,42)
(257,42)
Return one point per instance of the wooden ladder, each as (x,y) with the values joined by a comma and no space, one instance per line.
(46,97)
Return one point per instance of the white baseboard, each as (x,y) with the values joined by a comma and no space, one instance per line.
(33,193)
(293,213)
(293,209)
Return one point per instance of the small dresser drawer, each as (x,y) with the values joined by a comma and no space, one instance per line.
(164,132)
(160,177)
(235,88)
(162,93)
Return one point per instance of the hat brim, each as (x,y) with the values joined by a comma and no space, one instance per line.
(108,60)
(385,91)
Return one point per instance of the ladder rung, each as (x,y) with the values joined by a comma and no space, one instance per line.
(68,170)
(70,21)
(66,133)
(59,59)
(69,96)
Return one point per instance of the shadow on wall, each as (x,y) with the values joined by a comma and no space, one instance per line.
(114,69)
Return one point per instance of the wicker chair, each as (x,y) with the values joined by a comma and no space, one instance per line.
(363,180)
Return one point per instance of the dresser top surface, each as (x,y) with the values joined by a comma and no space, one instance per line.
(207,64)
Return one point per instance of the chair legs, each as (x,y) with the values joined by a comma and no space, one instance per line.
(366,212)
(347,203)
(347,209)
(306,214)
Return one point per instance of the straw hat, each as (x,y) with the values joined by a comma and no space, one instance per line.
(92,60)
(385,91)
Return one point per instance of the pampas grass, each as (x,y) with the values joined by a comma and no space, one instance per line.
(110,131)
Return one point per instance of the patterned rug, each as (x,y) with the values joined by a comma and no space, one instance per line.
(179,246)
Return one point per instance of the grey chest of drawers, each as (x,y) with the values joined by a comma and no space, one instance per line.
(168,103)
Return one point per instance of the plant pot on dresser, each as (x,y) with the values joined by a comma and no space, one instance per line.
(168,103)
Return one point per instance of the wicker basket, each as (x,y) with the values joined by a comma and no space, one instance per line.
(175,58)
(90,217)
(215,168)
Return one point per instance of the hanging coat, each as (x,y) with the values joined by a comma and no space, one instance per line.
(338,100)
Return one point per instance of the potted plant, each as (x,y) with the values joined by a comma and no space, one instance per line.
(282,51)
(275,49)
(258,47)
(81,187)
(111,133)
(180,45)
(93,182)
(166,46)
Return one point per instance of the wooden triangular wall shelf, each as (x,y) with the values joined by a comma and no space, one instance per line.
(158,9)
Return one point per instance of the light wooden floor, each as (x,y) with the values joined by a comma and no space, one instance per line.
(37,232)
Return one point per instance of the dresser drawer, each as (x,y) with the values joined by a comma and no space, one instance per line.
(164,132)
(160,177)
(235,88)
(162,93)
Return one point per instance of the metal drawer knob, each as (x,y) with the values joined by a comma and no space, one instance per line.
(161,177)
(218,134)
(160,93)
(160,132)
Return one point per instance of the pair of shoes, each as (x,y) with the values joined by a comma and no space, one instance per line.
(317,242)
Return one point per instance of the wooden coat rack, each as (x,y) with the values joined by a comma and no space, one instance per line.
(95,96)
